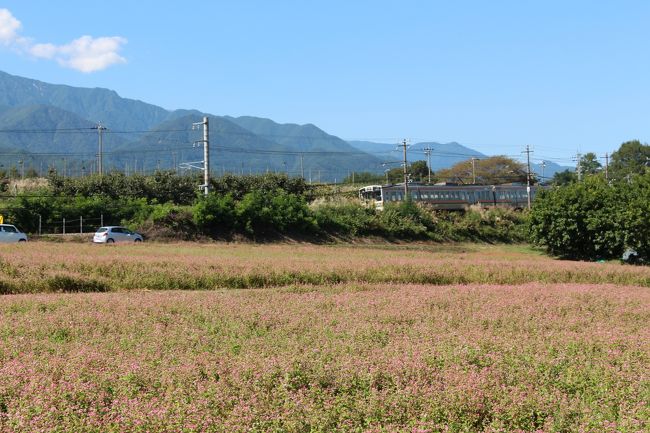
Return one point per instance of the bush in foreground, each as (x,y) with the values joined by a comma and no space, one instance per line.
(594,219)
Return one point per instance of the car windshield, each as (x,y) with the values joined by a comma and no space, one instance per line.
(101,230)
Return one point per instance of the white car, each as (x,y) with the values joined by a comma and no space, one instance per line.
(9,233)
(114,234)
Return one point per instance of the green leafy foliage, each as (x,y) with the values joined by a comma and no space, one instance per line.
(485,171)
(632,157)
(261,213)
(25,210)
(636,215)
(406,220)
(215,213)
(161,187)
(492,225)
(239,186)
(593,219)
(418,172)
(346,219)
(564,177)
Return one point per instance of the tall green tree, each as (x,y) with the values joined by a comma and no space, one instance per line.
(419,171)
(631,158)
(589,164)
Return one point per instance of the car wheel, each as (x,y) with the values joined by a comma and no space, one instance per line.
(22,240)
(137,240)
(110,241)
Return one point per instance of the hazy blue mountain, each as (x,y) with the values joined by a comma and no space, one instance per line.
(443,155)
(92,104)
(301,137)
(55,137)
(232,148)
(235,149)
(321,152)
(546,173)
(144,136)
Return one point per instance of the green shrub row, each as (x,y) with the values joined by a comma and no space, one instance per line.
(168,206)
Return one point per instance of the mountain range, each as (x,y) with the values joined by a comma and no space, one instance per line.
(46,125)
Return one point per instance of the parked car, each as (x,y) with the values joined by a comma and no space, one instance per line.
(114,234)
(9,233)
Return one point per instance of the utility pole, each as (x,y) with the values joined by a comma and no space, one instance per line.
(528,152)
(100,156)
(427,152)
(474,159)
(406,175)
(606,166)
(579,166)
(543,167)
(206,153)
(302,169)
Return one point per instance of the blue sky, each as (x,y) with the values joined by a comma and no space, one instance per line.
(560,76)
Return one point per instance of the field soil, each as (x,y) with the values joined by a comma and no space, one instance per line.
(303,338)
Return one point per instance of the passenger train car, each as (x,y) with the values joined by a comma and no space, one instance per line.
(451,196)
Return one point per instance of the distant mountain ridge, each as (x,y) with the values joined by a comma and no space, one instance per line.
(51,125)
(443,155)
(240,145)
(92,104)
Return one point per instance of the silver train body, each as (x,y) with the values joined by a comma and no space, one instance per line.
(451,197)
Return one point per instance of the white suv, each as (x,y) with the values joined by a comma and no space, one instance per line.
(113,234)
(9,233)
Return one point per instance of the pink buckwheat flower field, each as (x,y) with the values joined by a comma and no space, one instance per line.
(304,338)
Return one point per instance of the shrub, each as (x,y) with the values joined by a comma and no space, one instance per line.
(406,220)
(347,219)
(215,213)
(262,213)
(636,216)
(161,187)
(593,219)
(239,186)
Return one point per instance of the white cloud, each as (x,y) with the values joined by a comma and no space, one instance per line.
(85,54)
(9,27)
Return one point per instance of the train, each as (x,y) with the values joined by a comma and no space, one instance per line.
(451,196)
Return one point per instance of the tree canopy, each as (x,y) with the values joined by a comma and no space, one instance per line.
(418,172)
(589,164)
(631,158)
(594,219)
(488,171)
